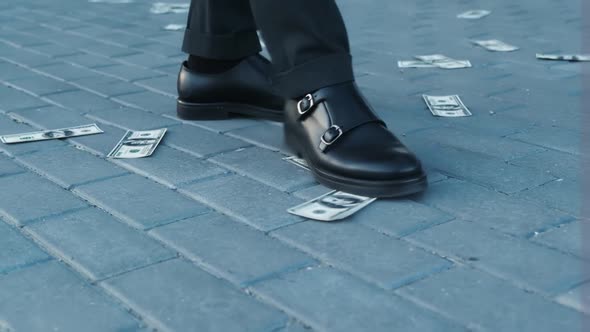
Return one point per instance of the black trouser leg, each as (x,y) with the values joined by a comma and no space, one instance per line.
(221,30)
(307,39)
(308,43)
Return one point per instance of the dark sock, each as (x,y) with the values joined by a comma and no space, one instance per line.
(210,66)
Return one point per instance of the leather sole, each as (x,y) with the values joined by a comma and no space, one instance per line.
(367,188)
(219,111)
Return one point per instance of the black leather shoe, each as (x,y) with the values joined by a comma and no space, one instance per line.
(348,147)
(244,89)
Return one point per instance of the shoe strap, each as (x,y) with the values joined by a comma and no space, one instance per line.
(341,123)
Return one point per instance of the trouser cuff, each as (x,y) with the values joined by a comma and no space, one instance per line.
(314,75)
(233,46)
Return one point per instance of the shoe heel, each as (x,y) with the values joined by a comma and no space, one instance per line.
(201,111)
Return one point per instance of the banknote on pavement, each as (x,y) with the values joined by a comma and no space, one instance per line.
(564,57)
(474,14)
(443,61)
(174,27)
(167,8)
(299,162)
(335,205)
(414,64)
(495,45)
(137,144)
(446,106)
(44,135)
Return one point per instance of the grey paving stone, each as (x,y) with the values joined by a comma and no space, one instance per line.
(400,217)
(164,85)
(127,72)
(223,126)
(267,167)
(149,101)
(577,298)
(21,39)
(377,258)
(567,238)
(200,142)
(121,37)
(489,304)
(65,38)
(194,301)
(156,47)
(149,60)
(171,69)
(16,251)
(27,190)
(210,240)
(312,192)
(172,167)
(93,31)
(12,100)
(51,117)
(479,168)
(234,195)
(105,85)
(49,297)
(497,124)
(82,101)
(132,119)
(88,60)
(67,72)
(54,50)
(295,326)
(559,164)
(69,166)
(139,201)
(329,300)
(494,146)
(22,56)
(496,210)
(268,136)
(552,137)
(517,260)
(107,50)
(565,195)
(9,167)
(97,245)
(42,85)
(11,71)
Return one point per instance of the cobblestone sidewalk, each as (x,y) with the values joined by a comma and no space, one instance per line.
(196,237)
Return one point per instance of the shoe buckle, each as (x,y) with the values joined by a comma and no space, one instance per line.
(305,104)
(331,135)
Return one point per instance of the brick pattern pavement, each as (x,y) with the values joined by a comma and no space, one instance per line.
(196,238)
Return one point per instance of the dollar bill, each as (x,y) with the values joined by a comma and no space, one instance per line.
(455,64)
(174,27)
(299,162)
(167,8)
(335,205)
(443,61)
(414,64)
(446,106)
(137,144)
(495,45)
(474,14)
(44,135)
(564,57)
